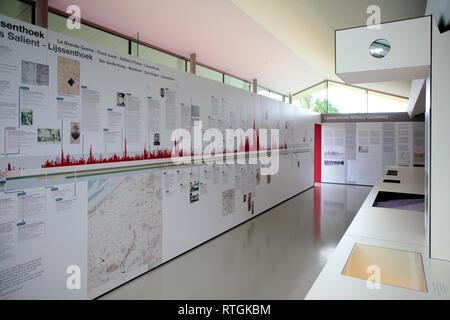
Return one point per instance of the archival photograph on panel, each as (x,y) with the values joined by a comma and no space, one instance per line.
(75,133)
(49,136)
(194,197)
(28,74)
(26,117)
(120,97)
(258,176)
(228,202)
(42,71)
(363,149)
(68,76)
(156,139)
(194,194)
(125,228)
(34,73)
(333,158)
(195,114)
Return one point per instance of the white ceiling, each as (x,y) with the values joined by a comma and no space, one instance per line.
(307,27)
(287,45)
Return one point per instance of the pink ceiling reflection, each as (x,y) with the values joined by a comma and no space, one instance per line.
(219,33)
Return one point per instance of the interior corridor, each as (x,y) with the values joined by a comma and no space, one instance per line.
(277,255)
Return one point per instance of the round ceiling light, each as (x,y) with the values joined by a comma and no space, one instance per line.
(380,48)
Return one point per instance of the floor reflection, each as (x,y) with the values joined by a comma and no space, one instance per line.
(277,255)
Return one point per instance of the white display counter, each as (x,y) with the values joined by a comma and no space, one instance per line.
(387,228)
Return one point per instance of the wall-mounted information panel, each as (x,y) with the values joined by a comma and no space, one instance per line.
(356,152)
(89,195)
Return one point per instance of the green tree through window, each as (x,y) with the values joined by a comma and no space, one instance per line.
(318,105)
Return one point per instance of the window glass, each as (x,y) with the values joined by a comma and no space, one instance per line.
(17,10)
(87,33)
(232,81)
(157,56)
(334,97)
(276,96)
(209,73)
(314,98)
(379,102)
(264,92)
(346,99)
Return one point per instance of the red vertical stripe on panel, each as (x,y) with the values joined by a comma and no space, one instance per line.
(317,153)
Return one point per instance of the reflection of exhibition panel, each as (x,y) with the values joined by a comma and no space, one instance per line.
(408,59)
(90,189)
(437,166)
(356,152)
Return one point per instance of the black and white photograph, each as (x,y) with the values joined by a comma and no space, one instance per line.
(363,149)
(75,133)
(156,141)
(120,99)
(28,72)
(42,74)
(48,136)
(194,194)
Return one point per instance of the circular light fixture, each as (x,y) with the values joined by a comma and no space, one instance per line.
(380,48)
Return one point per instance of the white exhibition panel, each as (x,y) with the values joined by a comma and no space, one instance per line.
(438,167)
(357,152)
(92,105)
(117,219)
(42,234)
(409,57)
(186,225)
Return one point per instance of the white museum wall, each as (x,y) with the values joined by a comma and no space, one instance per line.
(124,213)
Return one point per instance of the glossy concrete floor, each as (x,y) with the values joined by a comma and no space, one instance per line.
(277,255)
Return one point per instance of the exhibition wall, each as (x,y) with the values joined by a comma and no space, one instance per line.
(88,185)
(358,152)
(437,169)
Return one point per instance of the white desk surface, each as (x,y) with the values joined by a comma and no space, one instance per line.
(390,228)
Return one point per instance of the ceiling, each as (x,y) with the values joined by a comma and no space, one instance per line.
(287,45)
(307,27)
